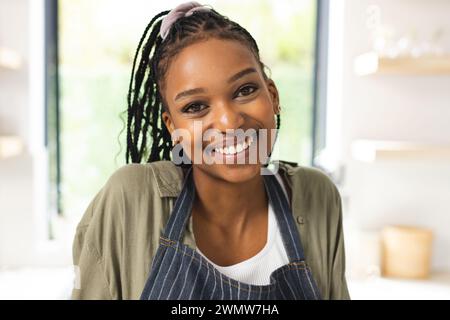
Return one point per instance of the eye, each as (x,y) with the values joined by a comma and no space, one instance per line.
(194,107)
(247,90)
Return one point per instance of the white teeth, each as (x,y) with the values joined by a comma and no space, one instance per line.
(236,149)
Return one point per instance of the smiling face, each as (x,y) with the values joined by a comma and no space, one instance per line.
(217,86)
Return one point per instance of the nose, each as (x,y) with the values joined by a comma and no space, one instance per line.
(228,117)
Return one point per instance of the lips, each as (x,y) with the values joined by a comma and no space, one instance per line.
(233,145)
(234,149)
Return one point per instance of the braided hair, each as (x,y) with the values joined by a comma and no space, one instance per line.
(145,101)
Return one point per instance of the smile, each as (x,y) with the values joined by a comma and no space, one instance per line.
(235,149)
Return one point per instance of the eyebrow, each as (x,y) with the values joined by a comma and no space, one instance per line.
(234,78)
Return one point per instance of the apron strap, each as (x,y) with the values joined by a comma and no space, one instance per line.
(183,207)
(288,229)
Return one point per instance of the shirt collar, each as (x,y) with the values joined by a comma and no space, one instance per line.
(169,177)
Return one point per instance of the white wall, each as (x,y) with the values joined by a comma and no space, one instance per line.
(416,108)
(23,179)
(15,174)
(14,86)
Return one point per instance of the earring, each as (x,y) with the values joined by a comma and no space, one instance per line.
(174,142)
(277,116)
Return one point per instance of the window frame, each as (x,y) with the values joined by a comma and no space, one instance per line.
(52,102)
(319,121)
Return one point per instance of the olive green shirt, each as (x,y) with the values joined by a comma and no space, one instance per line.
(119,232)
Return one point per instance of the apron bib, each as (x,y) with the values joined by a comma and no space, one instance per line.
(179,272)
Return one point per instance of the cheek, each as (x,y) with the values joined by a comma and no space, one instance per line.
(262,111)
(192,145)
(265,115)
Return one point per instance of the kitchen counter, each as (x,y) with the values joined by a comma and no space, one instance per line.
(437,287)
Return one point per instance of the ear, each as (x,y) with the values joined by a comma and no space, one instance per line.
(274,95)
(167,118)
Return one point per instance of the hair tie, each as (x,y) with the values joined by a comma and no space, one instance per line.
(183,10)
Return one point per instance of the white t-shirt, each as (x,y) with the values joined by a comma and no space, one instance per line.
(257,269)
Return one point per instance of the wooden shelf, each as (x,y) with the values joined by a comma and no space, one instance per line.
(10,146)
(373,150)
(371,63)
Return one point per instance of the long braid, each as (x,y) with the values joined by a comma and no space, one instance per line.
(138,105)
(145,101)
(130,146)
(150,91)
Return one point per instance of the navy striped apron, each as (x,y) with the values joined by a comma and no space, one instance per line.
(179,272)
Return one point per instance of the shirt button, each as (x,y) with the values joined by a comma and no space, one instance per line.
(300,220)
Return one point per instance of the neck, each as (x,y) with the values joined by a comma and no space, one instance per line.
(226,205)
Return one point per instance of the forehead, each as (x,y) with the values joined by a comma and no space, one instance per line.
(207,64)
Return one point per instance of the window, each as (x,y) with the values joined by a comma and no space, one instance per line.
(97,42)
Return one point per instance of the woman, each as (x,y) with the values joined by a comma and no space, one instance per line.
(201,219)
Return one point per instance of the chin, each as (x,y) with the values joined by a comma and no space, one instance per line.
(236,173)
